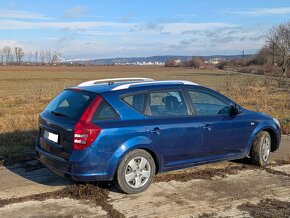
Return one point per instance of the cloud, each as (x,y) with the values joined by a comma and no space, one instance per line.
(73,25)
(264,11)
(177,28)
(222,40)
(92,39)
(154,27)
(126,18)
(75,12)
(10,43)
(145,28)
(21,15)
(186,15)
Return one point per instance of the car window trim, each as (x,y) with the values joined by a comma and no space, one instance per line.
(192,109)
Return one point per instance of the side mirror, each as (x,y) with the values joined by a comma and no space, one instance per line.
(235,110)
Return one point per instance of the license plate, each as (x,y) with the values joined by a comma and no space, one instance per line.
(50,136)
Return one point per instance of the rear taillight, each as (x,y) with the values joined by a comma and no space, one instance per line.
(85,131)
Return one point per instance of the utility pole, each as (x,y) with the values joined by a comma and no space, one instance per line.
(243,52)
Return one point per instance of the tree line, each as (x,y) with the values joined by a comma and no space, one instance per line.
(15,56)
(276,50)
(272,59)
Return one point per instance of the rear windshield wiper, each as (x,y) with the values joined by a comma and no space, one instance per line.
(59,114)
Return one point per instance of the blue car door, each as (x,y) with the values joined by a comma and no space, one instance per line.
(172,129)
(222,135)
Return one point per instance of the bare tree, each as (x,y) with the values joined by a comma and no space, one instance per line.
(278,43)
(19,53)
(48,57)
(12,57)
(30,57)
(263,56)
(56,58)
(42,57)
(8,53)
(36,56)
(2,55)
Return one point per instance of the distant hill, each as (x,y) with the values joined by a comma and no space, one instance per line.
(153,59)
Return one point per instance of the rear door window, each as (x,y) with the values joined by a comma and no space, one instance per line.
(70,104)
(167,103)
(136,101)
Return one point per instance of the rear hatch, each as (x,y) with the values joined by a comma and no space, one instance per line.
(58,120)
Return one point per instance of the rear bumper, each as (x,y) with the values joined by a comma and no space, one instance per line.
(68,169)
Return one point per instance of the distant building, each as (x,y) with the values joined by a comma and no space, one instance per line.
(177,61)
(215,61)
(143,63)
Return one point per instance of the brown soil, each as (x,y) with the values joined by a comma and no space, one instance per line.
(18,159)
(208,173)
(206,215)
(92,193)
(267,208)
(1,161)
(276,172)
(278,162)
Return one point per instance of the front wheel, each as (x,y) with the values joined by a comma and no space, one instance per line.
(261,149)
(135,173)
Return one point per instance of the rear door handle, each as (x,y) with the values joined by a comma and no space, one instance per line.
(207,126)
(155,131)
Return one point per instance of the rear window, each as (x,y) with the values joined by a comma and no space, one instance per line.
(69,104)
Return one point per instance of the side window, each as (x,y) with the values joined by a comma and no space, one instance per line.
(206,104)
(136,101)
(105,112)
(166,103)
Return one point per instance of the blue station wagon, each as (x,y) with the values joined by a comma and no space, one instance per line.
(127,130)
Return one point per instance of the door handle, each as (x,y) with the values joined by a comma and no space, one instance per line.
(155,131)
(207,126)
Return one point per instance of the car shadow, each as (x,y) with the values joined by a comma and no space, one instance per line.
(20,159)
(18,156)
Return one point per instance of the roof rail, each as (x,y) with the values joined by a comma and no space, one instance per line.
(93,82)
(164,82)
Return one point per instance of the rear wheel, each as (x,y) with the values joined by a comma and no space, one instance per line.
(261,149)
(135,172)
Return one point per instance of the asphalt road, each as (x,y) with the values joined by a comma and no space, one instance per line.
(229,189)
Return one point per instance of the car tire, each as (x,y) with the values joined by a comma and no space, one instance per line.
(135,172)
(261,149)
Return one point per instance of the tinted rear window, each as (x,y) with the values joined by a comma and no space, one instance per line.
(69,104)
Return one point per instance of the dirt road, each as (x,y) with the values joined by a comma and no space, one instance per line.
(229,189)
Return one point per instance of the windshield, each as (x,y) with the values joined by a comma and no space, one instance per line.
(69,104)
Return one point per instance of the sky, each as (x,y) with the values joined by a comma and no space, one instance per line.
(137,28)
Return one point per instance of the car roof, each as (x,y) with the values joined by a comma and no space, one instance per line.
(117,84)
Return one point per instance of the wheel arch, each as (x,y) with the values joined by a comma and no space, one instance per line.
(155,158)
(274,134)
(142,143)
(274,138)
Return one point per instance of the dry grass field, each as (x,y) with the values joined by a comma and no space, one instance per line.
(25,91)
